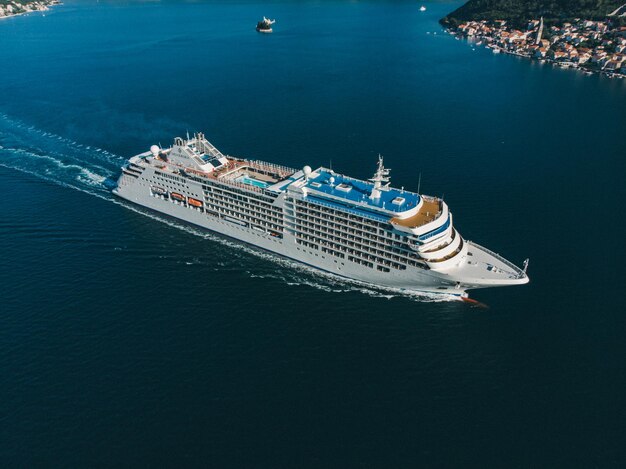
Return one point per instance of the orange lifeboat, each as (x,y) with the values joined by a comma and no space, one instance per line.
(177,196)
(194,202)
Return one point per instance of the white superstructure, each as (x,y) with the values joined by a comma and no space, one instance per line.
(363,230)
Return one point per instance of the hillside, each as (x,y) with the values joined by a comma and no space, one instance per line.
(519,11)
(24,2)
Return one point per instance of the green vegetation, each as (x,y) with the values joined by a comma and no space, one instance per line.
(19,2)
(518,12)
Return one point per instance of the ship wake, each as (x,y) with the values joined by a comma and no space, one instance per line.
(93,171)
(56,159)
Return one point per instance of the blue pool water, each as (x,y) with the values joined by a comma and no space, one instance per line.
(252,182)
(128,339)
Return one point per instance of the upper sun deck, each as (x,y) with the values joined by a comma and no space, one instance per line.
(374,198)
(198,157)
(355,191)
(428,212)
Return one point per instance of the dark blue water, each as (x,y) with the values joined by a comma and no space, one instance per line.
(128,340)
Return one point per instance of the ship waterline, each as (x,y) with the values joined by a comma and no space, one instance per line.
(363,230)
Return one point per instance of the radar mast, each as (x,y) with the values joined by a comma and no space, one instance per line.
(381,176)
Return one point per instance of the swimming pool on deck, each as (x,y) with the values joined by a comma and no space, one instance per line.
(252,182)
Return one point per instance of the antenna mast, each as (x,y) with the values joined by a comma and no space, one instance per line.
(380,176)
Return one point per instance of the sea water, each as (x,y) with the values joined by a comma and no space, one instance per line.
(131,339)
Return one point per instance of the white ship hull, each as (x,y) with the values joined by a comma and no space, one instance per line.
(366,232)
(413,279)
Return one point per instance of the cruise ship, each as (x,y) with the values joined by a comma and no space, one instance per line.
(364,230)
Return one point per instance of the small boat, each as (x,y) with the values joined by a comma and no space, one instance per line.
(177,196)
(496,50)
(194,202)
(265,25)
(422,8)
(158,190)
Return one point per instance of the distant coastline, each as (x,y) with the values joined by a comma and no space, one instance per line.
(588,45)
(10,8)
(517,13)
(579,34)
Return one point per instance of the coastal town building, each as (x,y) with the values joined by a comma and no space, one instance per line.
(593,46)
(14,8)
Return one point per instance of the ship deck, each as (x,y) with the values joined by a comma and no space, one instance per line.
(484,268)
(264,172)
(429,211)
(358,191)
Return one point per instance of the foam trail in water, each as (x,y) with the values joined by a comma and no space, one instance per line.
(293,273)
(30,136)
(72,165)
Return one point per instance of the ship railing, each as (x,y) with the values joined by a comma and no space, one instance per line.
(228,182)
(400,191)
(344,246)
(360,213)
(520,273)
(250,187)
(210,148)
(197,173)
(281,170)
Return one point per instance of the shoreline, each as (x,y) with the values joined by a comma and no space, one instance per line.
(559,51)
(556,63)
(11,10)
